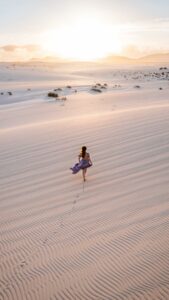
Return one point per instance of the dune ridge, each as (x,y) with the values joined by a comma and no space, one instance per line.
(91,115)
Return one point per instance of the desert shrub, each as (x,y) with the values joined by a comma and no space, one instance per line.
(58,89)
(51,94)
(10,93)
(163,68)
(116,86)
(137,86)
(69,87)
(94,89)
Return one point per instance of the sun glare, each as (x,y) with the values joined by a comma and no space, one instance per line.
(84,40)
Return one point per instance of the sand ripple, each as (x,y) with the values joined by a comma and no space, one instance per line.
(108,239)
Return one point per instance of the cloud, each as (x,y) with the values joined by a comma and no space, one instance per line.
(12,48)
(133,51)
(155,25)
(13,52)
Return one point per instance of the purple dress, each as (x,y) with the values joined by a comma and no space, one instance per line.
(83,164)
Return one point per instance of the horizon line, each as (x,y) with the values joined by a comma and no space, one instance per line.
(103,59)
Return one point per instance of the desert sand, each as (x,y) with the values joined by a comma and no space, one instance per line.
(107,238)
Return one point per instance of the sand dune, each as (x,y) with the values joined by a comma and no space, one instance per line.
(105,239)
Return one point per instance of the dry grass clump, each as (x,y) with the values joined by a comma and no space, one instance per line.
(163,68)
(116,86)
(54,95)
(98,87)
(9,93)
(58,90)
(95,89)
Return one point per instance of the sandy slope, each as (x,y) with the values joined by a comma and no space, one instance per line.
(106,239)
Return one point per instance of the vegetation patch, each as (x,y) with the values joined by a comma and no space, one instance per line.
(54,95)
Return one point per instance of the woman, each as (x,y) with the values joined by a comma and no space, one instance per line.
(84,159)
(84,163)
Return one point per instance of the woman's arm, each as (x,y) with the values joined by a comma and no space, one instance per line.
(90,161)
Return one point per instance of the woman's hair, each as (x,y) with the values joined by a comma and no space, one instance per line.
(83,151)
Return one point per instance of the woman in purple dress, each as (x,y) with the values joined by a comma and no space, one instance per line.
(84,163)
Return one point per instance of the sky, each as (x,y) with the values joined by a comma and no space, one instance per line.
(85,30)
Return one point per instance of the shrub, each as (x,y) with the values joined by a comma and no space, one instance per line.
(58,89)
(51,94)
(96,90)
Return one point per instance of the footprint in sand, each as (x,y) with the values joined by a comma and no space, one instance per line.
(45,241)
(23,263)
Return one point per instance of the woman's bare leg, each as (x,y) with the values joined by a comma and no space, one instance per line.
(84,173)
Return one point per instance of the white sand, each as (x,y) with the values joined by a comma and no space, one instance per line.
(106,239)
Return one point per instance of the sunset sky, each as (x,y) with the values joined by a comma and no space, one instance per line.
(84,30)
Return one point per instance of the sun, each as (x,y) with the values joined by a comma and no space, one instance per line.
(83,40)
